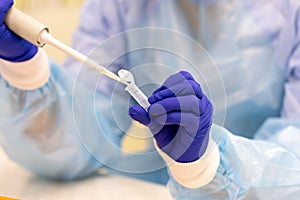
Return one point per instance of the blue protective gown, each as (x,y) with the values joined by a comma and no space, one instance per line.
(59,131)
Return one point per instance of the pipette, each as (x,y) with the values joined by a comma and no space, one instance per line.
(46,38)
(38,34)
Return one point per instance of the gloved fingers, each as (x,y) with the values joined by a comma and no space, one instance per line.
(7,36)
(189,122)
(181,104)
(174,79)
(13,47)
(178,77)
(4,7)
(179,118)
(159,131)
(164,136)
(3,28)
(184,88)
(139,114)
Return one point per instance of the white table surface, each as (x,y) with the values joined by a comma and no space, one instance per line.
(19,183)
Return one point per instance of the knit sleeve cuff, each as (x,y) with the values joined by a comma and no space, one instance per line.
(27,75)
(198,173)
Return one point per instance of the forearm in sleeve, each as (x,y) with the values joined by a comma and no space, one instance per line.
(36,124)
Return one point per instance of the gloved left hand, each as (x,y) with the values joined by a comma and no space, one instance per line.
(180,117)
(12,47)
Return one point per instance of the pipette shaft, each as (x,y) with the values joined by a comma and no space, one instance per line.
(46,38)
(38,34)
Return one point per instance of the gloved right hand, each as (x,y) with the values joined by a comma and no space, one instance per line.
(12,47)
(180,117)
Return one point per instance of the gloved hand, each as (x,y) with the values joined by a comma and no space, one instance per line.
(12,47)
(180,117)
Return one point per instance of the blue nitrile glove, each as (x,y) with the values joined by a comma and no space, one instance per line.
(180,117)
(12,47)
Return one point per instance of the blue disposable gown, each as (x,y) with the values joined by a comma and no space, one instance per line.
(54,131)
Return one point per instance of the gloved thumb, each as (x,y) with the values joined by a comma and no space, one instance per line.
(139,114)
(4,7)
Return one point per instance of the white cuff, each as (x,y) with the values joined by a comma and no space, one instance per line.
(27,75)
(198,173)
